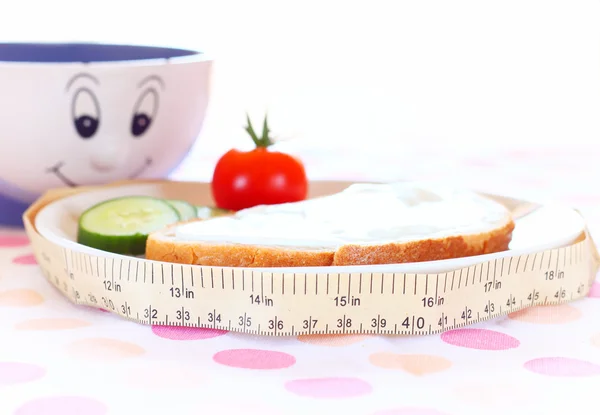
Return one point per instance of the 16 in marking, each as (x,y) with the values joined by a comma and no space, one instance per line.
(430,301)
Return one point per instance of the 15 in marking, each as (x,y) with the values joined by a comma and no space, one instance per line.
(344,301)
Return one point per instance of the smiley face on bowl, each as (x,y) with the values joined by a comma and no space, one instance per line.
(81,114)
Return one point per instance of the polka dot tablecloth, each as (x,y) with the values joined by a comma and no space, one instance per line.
(61,359)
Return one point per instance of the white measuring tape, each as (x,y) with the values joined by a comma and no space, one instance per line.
(291,304)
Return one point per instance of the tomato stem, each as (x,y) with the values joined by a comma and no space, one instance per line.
(265,140)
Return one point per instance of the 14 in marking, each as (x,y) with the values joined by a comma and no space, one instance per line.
(266,301)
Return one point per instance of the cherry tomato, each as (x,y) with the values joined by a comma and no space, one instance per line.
(244,179)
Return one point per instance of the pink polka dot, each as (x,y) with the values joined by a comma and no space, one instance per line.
(481,339)
(186,333)
(12,241)
(409,411)
(28,259)
(562,366)
(16,372)
(254,359)
(594,290)
(62,405)
(329,387)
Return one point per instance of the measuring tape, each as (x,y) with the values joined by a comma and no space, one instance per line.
(291,304)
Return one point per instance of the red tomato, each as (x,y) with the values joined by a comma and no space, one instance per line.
(244,179)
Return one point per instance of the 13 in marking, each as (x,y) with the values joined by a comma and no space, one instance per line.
(177,292)
(266,301)
(550,275)
(430,301)
(344,301)
(110,286)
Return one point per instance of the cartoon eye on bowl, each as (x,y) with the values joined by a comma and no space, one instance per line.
(144,112)
(85,113)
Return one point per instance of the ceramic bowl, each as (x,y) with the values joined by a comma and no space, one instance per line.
(80,114)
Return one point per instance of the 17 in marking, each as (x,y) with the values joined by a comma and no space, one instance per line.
(492,286)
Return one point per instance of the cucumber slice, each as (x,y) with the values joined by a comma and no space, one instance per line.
(206,212)
(186,210)
(122,225)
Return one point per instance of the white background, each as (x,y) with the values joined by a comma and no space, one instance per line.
(509,73)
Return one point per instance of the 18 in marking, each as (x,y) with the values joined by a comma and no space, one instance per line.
(550,275)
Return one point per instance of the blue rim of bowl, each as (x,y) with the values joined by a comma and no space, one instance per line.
(95,53)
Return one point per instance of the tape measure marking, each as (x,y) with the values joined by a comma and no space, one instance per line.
(292,304)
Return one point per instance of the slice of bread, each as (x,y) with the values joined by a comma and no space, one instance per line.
(364,224)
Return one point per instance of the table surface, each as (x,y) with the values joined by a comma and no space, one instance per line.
(58,358)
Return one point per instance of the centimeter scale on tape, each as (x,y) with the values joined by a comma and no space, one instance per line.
(288,304)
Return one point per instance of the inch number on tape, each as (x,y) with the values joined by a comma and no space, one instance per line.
(288,304)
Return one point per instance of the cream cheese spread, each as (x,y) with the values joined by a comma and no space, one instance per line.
(361,214)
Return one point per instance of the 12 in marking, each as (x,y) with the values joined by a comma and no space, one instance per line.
(112,286)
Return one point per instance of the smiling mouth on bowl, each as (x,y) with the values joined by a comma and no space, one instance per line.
(56,170)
